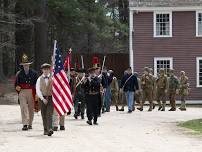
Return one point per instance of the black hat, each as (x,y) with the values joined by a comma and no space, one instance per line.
(81,70)
(72,69)
(92,69)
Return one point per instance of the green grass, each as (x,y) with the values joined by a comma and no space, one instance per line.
(195,125)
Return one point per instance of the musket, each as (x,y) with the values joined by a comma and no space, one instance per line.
(103,64)
(82,63)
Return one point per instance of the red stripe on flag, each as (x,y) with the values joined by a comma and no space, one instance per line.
(58,101)
(63,88)
(61,95)
(58,111)
(64,77)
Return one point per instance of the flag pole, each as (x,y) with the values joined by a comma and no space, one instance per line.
(82,63)
(53,57)
(68,69)
(103,64)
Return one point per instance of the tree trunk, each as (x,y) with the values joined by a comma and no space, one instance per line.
(42,54)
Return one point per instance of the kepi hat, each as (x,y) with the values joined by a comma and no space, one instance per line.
(45,66)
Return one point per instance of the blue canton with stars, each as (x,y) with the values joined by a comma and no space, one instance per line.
(58,62)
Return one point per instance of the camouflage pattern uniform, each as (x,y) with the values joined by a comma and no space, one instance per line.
(138,93)
(173,86)
(184,90)
(154,87)
(115,92)
(162,85)
(147,86)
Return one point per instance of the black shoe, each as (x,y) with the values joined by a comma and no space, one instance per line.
(182,109)
(95,123)
(69,113)
(154,106)
(130,111)
(172,109)
(25,128)
(50,132)
(29,126)
(55,128)
(62,128)
(160,107)
(117,108)
(140,109)
(133,108)
(89,122)
(121,109)
(82,117)
(75,116)
(163,109)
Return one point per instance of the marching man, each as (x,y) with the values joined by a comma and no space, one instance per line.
(25,86)
(43,90)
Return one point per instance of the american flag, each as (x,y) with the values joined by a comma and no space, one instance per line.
(61,94)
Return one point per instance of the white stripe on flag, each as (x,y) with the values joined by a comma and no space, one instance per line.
(60,99)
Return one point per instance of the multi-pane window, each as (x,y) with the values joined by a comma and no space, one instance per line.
(162,24)
(199,72)
(162,63)
(199,24)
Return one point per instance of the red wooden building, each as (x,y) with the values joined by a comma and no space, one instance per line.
(168,34)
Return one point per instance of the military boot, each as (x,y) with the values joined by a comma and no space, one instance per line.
(117,108)
(150,107)
(160,106)
(163,107)
(141,107)
(183,106)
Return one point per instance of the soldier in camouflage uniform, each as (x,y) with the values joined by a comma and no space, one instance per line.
(114,89)
(173,88)
(162,85)
(138,93)
(154,87)
(147,87)
(184,90)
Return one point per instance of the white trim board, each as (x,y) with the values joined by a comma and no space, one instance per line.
(197,72)
(151,9)
(197,13)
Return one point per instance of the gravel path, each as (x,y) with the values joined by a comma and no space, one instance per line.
(117,131)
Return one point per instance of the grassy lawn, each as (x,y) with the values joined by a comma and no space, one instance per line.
(195,125)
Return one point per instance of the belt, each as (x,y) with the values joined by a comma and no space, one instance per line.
(26,86)
(47,96)
(93,93)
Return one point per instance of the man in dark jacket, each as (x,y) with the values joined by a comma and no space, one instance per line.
(25,86)
(129,84)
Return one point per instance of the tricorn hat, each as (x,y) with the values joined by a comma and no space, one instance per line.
(45,66)
(25,60)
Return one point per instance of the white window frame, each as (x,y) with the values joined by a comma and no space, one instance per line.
(170,19)
(162,58)
(197,15)
(197,72)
